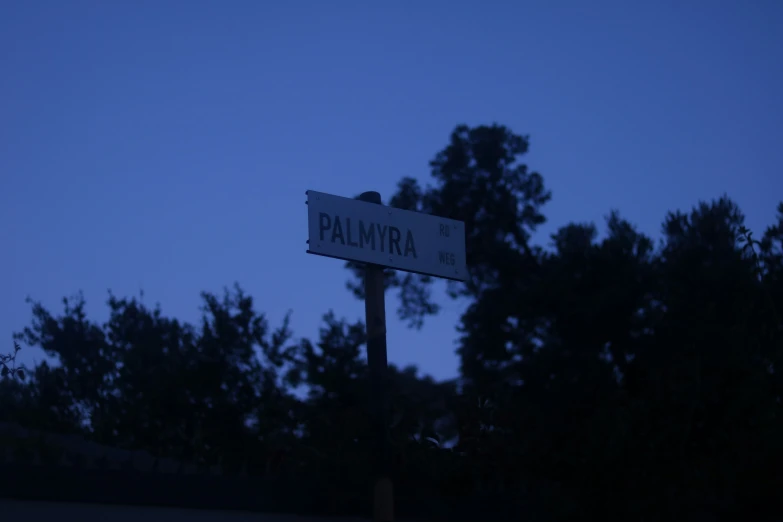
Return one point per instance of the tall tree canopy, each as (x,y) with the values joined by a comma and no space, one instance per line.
(612,377)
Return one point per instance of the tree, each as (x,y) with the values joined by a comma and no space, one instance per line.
(145,381)
(8,366)
(478,180)
(602,376)
(611,369)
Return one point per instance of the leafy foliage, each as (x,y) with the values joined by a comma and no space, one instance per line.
(599,378)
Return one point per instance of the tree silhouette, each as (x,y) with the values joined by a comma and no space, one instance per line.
(604,378)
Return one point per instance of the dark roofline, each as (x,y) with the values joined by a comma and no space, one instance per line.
(105,486)
(40,466)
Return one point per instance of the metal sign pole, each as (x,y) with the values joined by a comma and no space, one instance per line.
(364,231)
(375,319)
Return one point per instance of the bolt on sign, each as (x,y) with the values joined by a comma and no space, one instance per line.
(355,230)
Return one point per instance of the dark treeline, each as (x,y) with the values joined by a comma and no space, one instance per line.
(600,378)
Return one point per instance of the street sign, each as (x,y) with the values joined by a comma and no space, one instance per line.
(356,230)
(364,230)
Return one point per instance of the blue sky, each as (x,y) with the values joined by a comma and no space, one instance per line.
(167,146)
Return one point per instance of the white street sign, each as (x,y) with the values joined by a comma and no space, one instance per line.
(356,230)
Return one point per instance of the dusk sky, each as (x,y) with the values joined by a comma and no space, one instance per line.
(167,146)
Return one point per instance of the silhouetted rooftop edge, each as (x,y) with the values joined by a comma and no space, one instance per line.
(41,466)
